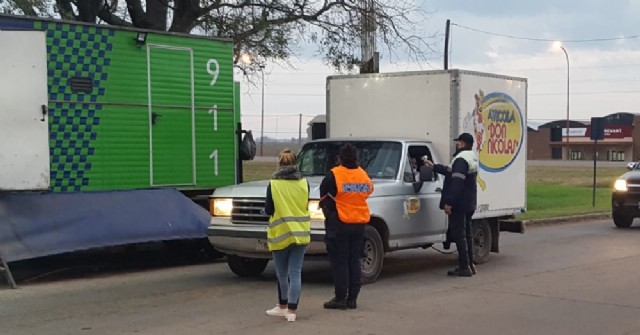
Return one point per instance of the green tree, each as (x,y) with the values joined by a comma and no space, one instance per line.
(273,29)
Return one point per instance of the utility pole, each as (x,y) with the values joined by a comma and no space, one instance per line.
(446,45)
(369,62)
(262,113)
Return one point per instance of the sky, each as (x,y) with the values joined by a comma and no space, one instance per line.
(604,75)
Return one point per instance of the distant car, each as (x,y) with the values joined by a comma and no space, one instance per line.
(631,165)
(625,199)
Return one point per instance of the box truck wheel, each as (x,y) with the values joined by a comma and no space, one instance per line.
(372,255)
(481,234)
(622,221)
(246,267)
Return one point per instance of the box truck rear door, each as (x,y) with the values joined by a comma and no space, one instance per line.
(24,130)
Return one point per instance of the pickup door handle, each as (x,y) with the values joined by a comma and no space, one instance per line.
(438,189)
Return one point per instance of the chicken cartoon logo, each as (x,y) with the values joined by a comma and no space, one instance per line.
(498,127)
(478,124)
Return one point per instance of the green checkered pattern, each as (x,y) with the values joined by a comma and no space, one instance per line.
(74,51)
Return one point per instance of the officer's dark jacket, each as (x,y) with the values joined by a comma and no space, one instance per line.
(460,188)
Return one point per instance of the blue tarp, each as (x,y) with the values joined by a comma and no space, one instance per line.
(35,225)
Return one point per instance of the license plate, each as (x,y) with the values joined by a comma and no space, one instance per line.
(261,245)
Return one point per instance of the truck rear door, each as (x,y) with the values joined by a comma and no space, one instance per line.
(24,125)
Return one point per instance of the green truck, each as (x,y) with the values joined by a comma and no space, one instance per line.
(112,128)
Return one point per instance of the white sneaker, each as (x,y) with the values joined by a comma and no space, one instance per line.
(290,317)
(277,311)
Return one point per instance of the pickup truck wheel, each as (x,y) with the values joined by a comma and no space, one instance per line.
(246,267)
(622,221)
(481,234)
(372,255)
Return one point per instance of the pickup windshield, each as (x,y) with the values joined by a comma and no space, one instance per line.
(379,159)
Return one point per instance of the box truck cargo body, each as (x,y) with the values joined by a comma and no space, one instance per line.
(438,106)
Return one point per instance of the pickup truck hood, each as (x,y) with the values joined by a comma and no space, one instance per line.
(258,189)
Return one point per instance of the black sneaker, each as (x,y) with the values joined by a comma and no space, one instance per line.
(351,304)
(473,269)
(335,304)
(457,272)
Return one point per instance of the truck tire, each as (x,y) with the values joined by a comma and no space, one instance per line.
(246,267)
(372,255)
(481,234)
(622,221)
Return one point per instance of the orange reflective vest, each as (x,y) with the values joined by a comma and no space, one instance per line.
(354,187)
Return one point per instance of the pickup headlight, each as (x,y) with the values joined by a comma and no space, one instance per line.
(620,185)
(221,206)
(315,211)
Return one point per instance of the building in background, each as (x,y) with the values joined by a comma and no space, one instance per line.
(621,139)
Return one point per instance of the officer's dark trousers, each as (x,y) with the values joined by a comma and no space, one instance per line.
(461,236)
(469,236)
(345,249)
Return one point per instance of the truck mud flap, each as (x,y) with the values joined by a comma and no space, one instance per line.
(512,226)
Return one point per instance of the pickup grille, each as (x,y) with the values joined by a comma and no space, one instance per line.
(247,211)
(633,185)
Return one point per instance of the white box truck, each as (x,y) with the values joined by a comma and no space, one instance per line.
(392,119)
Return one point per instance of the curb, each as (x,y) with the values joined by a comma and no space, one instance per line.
(568,219)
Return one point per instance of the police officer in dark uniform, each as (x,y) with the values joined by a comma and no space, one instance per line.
(459,200)
(344,192)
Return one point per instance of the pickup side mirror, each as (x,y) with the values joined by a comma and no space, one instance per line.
(426,174)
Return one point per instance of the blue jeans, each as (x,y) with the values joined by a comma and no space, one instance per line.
(289,272)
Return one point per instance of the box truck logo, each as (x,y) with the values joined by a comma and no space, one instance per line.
(497,125)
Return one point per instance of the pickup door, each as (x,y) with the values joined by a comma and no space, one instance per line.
(423,221)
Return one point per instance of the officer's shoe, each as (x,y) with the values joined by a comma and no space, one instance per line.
(473,268)
(335,304)
(351,303)
(458,272)
(446,245)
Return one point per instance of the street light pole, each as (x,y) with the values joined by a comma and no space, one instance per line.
(566,55)
(262,112)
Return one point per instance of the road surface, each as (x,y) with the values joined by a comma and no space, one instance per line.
(575,278)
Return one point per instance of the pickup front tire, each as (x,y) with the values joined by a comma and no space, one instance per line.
(372,255)
(622,221)
(246,267)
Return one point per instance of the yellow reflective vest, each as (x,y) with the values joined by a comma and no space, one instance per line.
(290,223)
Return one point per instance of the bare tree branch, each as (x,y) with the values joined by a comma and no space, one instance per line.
(108,15)
(270,29)
(65,9)
(26,6)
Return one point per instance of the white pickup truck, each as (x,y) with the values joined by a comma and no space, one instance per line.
(376,113)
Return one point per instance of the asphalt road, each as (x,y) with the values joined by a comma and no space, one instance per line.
(576,278)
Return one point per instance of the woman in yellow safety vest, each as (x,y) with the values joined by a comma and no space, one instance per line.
(289,231)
